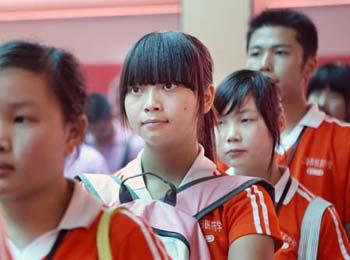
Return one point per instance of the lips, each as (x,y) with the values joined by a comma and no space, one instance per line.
(5,168)
(154,121)
(234,153)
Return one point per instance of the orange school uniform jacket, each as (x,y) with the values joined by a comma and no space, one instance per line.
(321,161)
(130,238)
(333,242)
(251,211)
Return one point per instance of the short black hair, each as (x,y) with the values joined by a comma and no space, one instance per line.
(61,69)
(335,77)
(306,32)
(98,108)
(233,90)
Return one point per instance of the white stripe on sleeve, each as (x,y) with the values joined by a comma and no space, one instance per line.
(255,210)
(264,209)
(339,236)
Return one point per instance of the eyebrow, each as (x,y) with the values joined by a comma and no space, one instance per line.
(247,110)
(275,46)
(18,105)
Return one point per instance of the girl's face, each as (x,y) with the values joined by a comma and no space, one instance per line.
(34,139)
(243,140)
(162,114)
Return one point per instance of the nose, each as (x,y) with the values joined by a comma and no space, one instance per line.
(153,100)
(233,134)
(5,144)
(266,63)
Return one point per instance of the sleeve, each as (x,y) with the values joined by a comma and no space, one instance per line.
(253,212)
(132,238)
(333,240)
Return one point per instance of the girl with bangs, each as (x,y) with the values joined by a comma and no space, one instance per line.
(166,97)
(249,125)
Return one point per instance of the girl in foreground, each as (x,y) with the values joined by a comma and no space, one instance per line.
(166,96)
(250,121)
(42,97)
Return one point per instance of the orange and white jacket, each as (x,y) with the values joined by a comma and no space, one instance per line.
(321,161)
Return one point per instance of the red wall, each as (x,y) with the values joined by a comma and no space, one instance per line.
(327,59)
(99,77)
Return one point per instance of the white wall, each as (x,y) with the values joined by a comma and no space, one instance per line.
(222,26)
(333,28)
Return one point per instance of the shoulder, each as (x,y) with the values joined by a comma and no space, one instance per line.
(130,169)
(125,225)
(251,212)
(128,232)
(333,125)
(255,195)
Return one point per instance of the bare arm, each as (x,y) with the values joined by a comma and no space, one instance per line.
(258,247)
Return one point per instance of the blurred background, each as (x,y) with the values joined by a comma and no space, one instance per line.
(100,32)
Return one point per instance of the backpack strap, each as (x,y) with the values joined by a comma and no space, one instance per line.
(102,237)
(310,228)
(103,186)
(88,185)
(207,194)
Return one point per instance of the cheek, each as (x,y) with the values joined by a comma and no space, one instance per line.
(131,109)
(260,142)
(219,140)
(29,143)
(32,149)
(337,108)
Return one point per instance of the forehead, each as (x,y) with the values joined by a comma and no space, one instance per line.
(269,36)
(247,105)
(19,85)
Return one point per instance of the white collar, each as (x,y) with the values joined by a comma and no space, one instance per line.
(82,210)
(313,119)
(281,184)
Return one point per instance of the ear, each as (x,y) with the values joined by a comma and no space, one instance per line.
(209,96)
(75,133)
(282,122)
(309,67)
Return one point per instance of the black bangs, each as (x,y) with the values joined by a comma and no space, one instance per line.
(160,58)
(232,91)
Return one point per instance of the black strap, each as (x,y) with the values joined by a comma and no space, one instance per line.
(289,160)
(294,147)
(61,235)
(284,194)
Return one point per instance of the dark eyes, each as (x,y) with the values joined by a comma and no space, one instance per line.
(20,119)
(134,89)
(169,86)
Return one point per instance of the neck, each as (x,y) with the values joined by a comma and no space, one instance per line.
(275,174)
(294,112)
(173,162)
(270,174)
(32,215)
